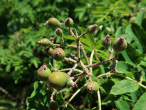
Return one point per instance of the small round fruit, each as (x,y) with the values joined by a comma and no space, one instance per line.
(45,42)
(53,105)
(106,41)
(58,54)
(92,87)
(52,22)
(59,32)
(43,73)
(91,28)
(58,80)
(69,22)
(119,45)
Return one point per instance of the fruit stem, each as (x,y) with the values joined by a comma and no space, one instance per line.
(62,40)
(69,59)
(72,33)
(66,69)
(81,35)
(52,95)
(102,62)
(99,99)
(54,65)
(73,69)
(84,53)
(58,45)
(91,58)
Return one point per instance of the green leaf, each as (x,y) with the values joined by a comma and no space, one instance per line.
(35,105)
(140,33)
(122,67)
(70,107)
(139,17)
(122,105)
(59,98)
(123,87)
(135,54)
(141,103)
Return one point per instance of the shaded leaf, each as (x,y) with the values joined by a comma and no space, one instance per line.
(123,87)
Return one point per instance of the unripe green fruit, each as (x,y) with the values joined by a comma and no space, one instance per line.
(69,22)
(43,73)
(45,42)
(53,23)
(119,44)
(59,32)
(53,105)
(58,80)
(91,28)
(106,41)
(50,51)
(92,87)
(58,54)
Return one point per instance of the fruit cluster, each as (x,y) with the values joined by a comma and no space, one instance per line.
(57,79)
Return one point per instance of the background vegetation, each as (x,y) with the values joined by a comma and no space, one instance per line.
(21,26)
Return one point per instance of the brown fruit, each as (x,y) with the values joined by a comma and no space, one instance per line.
(58,54)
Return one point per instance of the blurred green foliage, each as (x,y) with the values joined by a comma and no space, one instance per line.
(21,26)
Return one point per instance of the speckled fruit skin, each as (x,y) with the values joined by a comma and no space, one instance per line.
(53,105)
(58,80)
(69,22)
(119,45)
(58,54)
(91,28)
(106,42)
(59,32)
(92,87)
(43,73)
(53,23)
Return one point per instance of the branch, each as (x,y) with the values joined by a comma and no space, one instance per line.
(7,93)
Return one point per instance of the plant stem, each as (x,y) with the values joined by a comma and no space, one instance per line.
(72,69)
(99,99)
(91,58)
(58,45)
(54,65)
(66,69)
(52,95)
(69,59)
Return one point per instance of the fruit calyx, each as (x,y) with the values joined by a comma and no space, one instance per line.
(92,87)
(43,73)
(69,22)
